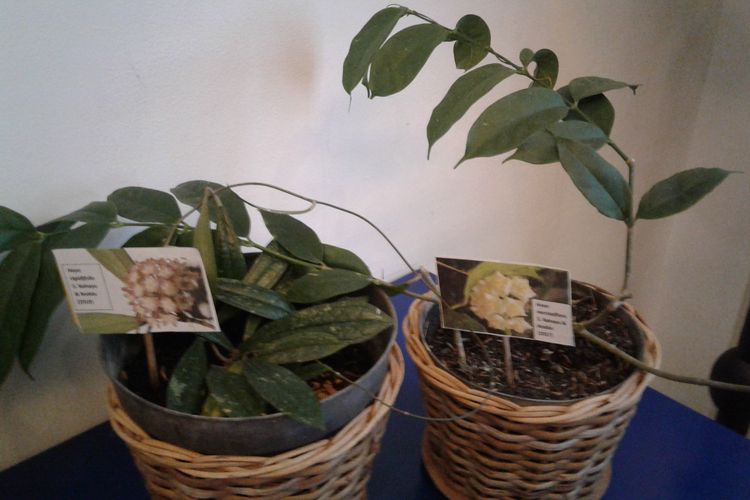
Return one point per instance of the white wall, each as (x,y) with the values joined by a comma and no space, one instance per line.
(98,95)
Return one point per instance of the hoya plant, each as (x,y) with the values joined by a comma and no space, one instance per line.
(541,122)
(296,300)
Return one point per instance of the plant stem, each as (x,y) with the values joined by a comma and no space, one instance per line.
(656,371)
(153,369)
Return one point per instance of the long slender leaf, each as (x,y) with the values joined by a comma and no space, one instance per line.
(323,284)
(285,391)
(48,292)
(232,392)
(679,192)
(203,241)
(145,205)
(342,258)
(230,263)
(366,43)
(14,229)
(464,92)
(116,261)
(599,182)
(588,86)
(19,271)
(402,56)
(252,298)
(511,120)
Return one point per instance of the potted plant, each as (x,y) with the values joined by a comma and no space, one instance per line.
(306,340)
(514,418)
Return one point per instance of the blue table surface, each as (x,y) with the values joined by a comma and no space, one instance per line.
(668,452)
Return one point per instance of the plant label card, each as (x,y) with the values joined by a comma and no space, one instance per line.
(503,299)
(137,290)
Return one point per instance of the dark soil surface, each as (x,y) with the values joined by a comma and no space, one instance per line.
(543,371)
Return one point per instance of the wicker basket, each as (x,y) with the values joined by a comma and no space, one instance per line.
(506,450)
(337,467)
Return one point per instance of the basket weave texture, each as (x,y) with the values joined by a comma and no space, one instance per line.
(507,450)
(336,467)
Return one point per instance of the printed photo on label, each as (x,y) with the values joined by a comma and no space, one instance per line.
(496,298)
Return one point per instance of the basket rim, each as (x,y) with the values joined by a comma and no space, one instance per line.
(625,394)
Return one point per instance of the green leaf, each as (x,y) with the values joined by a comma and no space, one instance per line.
(211,407)
(48,291)
(546,69)
(233,393)
(319,285)
(107,323)
(19,271)
(526,57)
(366,43)
(599,182)
(317,331)
(154,236)
(266,270)
(401,58)
(252,298)
(588,86)
(15,229)
(464,92)
(285,391)
(191,193)
(468,54)
(99,212)
(541,147)
(342,258)
(309,371)
(679,192)
(187,385)
(230,263)
(393,289)
(597,108)
(461,321)
(145,205)
(511,120)
(484,269)
(116,261)
(295,236)
(217,338)
(55,226)
(203,241)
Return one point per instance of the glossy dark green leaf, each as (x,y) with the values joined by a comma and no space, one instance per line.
(319,285)
(541,147)
(546,69)
(511,120)
(599,182)
(679,192)
(145,205)
(284,390)
(309,371)
(19,270)
(48,292)
(191,193)
(469,53)
(116,261)
(294,235)
(597,108)
(230,263)
(154,236)
(464,92)
(252,298)
(266,270)
(107,323)
(14,229)
(588,86)
(204,242)
(366,43)
(318,331)
(186,389)
(401,58)
(233,393)
(341,258)
(97,212)
(55,226)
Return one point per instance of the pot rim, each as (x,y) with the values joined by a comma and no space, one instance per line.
(628,310)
